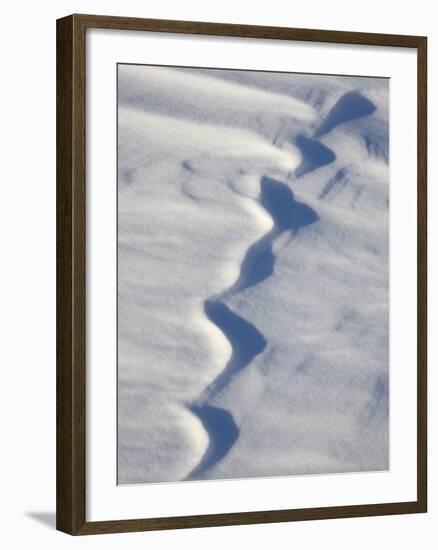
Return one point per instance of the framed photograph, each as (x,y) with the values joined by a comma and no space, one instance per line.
(241,274)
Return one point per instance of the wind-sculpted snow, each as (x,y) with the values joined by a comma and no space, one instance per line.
(246,341)
(350,106)
(223,433)
(287,215)
(314,155)
(252,274)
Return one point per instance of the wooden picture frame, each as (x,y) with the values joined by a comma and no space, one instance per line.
(71,274)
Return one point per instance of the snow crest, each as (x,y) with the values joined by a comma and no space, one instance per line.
(253,274)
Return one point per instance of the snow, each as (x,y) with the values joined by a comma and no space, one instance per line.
(253,274)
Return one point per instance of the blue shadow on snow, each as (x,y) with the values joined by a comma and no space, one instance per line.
(288,214)
(246,341)
(223,433)
(314,155)
(350,106)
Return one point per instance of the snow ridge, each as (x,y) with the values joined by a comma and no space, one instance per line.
(288,215)
(253,341)
(247,342)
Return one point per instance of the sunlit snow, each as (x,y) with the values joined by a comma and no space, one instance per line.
(253,274)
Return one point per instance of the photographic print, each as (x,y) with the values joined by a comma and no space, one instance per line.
(253,274)
(241,274)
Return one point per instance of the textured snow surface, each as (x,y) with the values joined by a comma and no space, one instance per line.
(253,274)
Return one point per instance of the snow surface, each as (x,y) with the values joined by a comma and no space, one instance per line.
(253,274)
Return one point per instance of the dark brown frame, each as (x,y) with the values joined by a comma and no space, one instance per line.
(71,231)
